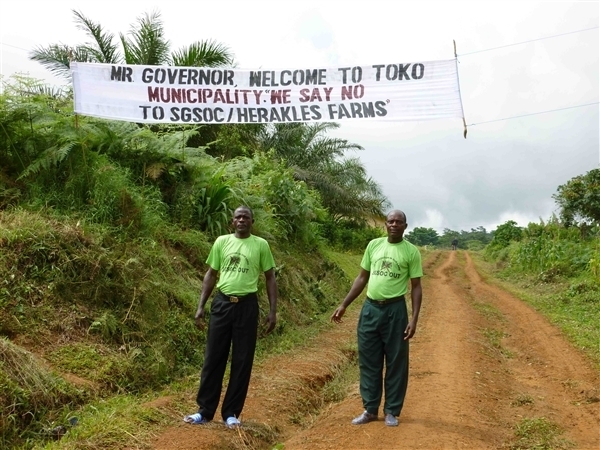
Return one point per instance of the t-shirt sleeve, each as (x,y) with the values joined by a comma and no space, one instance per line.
(214,256)
(415,268)
(365,263)
(266,257)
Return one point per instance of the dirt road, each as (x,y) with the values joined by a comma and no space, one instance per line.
(482,362)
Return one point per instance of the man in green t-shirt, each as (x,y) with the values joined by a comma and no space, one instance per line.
(383,326)
(237,259)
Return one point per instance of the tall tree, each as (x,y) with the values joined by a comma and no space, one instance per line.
(144,44)
(579,198)
(423,236)
(505,233)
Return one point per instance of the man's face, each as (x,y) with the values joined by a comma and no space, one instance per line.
(242,220)
(395,224)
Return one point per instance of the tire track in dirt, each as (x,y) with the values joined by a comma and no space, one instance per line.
(476,350)
(544,368)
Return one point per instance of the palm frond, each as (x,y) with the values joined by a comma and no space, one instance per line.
(203,54)
(147,45)
(128,51)
(57,57)
(101,48)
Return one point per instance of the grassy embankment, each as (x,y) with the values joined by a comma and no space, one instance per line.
(96,326)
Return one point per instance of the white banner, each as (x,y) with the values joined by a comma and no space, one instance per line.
(161,94)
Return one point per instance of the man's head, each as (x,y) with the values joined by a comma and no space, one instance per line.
(243,218)
(395,224)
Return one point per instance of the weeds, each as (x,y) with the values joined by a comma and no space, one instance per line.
(539,434)
(252,436)
(490,312)
(494,338)
(118,422)
(29,392)
(522,400)
(336,389)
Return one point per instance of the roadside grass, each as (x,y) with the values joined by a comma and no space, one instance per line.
(314,395)
(336,389)
(522,400)
(329,288)
(571,304)
(27,390)
(252,437)
(539,434)
(489,311)
(494,339)
(348,262)
(118,422)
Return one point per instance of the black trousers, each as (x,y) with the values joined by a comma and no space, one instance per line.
(231,326)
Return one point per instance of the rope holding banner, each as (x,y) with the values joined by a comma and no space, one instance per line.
(463,117)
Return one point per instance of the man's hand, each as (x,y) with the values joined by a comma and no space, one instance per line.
(409,332)
(338,314)
(271,321)
(199,319)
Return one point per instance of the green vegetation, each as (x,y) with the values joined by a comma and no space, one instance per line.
(555,265)
(504,234)
(494,340)
(475,239)
(522,400)
(423,236)
(539,434)
(579,199)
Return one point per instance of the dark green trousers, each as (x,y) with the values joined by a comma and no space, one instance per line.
(381,338)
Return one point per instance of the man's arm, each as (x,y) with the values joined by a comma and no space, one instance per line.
(210,279)
(272,295)
(416,295)
(357,287)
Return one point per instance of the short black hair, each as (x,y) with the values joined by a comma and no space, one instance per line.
(247,208)
(396,211)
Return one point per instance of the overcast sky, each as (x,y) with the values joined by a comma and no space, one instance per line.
(506,169)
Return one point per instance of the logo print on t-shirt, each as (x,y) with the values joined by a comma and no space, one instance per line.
(234,261)
(237,262)
(386,265)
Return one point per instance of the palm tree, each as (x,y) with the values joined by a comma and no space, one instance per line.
(319,161)
(144,44)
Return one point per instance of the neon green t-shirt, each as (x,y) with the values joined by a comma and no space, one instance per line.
(240,262)
(390,267)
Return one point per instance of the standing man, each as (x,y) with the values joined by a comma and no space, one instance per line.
(383,326)
(239,259)
(454,244)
